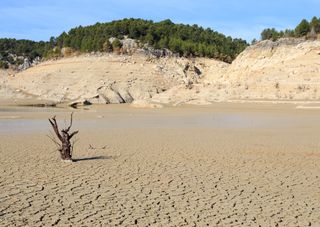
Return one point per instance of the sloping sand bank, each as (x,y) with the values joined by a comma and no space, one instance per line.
(223,165)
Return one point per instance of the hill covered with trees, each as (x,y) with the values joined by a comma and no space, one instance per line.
(185,40)
(305,28)
(14,51)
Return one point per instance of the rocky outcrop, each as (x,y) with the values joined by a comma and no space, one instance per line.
(132,46)
(151,52)
(113,95)
(105,79)
(111,79)
(129,45)
(19,63)
(119,94)
(286,70)
(192,74)
(25,65)
(277,71)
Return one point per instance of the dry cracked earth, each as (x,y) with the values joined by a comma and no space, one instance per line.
(164,176)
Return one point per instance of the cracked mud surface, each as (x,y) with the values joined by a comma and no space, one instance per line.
(164,176)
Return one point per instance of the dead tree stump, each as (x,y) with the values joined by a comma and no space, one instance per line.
(64,147)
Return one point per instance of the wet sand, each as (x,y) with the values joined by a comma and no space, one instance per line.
(222,165)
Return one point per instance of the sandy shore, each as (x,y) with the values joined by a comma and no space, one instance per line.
(223,165)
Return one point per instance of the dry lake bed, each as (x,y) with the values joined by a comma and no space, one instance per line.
(219,165)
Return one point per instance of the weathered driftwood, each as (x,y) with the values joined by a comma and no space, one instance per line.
(65,147)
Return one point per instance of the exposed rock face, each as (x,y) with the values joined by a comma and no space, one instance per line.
(129,45)
(287,70)
(110,96)
(102,79)
(284,70)
(151,52)
(36,61)
(26,64)
(192,74)
(113,95)
(125,95)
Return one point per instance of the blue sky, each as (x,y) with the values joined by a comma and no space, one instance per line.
(40,19)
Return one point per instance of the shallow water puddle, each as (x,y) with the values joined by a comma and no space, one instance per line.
(123,118)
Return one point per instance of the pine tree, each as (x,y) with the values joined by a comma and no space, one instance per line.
(315,23)
(303,28)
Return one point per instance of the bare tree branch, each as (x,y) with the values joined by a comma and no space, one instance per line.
(68,129)
(55,127)
(72,134)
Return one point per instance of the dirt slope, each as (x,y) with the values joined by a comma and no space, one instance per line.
(286,70)
(107,78)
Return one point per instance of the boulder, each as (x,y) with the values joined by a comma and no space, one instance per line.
(25,65)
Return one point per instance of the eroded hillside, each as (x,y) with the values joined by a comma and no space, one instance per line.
(108,78)
(286,70)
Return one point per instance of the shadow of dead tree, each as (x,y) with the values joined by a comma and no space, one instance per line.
(92,158)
